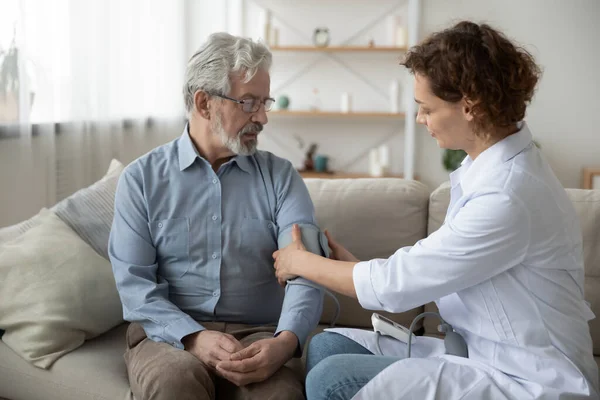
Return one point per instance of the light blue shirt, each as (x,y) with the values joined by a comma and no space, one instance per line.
(189,245)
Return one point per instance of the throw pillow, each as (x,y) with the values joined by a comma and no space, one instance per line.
(89,211)
(14,231)
(56,292)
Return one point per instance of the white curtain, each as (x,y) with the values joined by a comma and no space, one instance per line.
(92,75)
(104,59)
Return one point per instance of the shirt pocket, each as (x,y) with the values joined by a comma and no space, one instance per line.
(171,238)
(258,239)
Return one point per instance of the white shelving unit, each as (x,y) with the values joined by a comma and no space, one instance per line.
(334,53)
(334,114)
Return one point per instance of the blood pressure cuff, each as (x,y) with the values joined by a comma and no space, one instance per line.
(314,240)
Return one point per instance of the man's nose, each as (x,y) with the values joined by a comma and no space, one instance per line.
(260,116)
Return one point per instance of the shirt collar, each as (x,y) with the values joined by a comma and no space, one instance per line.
(244,162)
(187,151)
(188,154)
(506,149)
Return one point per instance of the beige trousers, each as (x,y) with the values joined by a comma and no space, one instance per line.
(159,371)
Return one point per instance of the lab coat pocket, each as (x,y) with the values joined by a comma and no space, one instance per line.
(171,239)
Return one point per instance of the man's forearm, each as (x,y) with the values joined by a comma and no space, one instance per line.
(147,302)
(301,310)
(164,322)
(291,342)
(302,305)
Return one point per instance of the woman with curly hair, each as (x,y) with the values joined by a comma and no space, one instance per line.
(505,268)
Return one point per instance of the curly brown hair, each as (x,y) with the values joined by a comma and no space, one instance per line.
(480,64)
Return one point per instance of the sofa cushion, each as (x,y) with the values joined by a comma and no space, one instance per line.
(587,205)
(9,233)
(372,218)
(55,293)
(439,200)
(95,371)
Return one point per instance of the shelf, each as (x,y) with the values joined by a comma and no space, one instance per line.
(343,175)
(341,49)
(591,176)
(335,114)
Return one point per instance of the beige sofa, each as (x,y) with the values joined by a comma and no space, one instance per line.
(372,217)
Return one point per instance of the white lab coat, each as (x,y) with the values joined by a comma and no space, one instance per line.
(506,271)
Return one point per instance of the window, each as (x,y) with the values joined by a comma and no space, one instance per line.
(88,60)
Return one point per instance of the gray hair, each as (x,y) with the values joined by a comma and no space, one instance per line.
(209,69)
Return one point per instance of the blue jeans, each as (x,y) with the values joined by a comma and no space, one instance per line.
(339,367)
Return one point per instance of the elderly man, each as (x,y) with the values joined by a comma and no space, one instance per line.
(196,222)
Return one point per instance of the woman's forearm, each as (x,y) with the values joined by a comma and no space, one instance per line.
(331,274)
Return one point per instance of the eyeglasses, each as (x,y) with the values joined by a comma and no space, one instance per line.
(249,105)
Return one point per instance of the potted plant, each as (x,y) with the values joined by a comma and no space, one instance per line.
(452,158)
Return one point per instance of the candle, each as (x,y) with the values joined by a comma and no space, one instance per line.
(346,104)
(374,166)
(384,158)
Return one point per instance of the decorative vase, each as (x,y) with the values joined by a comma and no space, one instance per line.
(321,163)
(283,102)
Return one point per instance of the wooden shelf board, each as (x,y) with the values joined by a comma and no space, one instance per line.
(589,175)
(343,175)
(335,114)
(340,49)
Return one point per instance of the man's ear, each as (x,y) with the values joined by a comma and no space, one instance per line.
(467,109)
(201,99)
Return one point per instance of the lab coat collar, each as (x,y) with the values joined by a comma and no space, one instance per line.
(471,171)
(455,176)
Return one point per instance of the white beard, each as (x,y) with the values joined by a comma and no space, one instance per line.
(234,144)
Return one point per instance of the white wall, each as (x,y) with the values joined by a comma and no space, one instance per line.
(562,35)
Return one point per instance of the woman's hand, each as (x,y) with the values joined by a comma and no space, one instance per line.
(289,258)
(339,252)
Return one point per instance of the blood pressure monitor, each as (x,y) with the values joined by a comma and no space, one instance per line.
(386,326)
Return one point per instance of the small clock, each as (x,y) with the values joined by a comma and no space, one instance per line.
(321,37)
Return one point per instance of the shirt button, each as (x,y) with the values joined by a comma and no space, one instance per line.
(215,293)
(160,225)
(214,217)
(214,255)
(214,181)
(270,226)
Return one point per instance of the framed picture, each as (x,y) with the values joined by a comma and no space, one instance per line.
(591,178)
